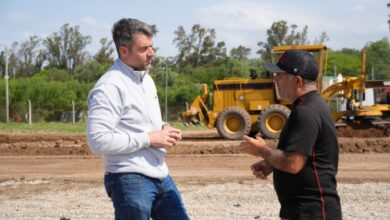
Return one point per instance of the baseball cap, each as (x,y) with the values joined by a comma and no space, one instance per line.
(296,62)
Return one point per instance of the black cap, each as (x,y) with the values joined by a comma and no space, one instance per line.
(296,62)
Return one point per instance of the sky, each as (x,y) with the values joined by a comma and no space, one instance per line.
(348,23)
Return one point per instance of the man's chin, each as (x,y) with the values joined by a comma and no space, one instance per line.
(143,68)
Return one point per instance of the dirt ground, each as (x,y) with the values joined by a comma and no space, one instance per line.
(200,156)
(60,172)
(194,142)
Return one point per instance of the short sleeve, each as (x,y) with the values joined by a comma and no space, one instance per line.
(302,132)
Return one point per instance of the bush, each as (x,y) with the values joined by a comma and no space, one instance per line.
(90,71)
(49,99)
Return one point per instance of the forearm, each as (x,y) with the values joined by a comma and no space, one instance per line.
(103,140)
(284,161)
(104,136)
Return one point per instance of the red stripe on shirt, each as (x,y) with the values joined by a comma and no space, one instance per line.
(319,185)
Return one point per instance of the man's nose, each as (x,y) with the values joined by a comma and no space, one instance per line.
(151,52)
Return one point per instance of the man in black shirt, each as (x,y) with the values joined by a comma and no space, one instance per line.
(305,163)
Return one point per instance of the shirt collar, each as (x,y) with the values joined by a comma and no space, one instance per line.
(129,71)
(302,99)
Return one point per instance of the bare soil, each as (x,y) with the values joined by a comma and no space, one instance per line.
(61,171)
(194,142)
(201,155)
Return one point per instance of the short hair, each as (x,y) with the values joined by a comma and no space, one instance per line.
(308,82)
(124,30)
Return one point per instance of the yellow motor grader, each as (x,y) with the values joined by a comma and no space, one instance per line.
(236,106)
(352,89)
(240,106)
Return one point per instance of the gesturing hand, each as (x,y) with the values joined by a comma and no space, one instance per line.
(261,169)
(253,146)
(168,137)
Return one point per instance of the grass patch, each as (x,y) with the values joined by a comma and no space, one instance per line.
(62,127)
(50,127)
(181,126)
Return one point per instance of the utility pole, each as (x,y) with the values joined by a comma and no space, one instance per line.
(6,77)
(166,93)
(73,113)
(29,112)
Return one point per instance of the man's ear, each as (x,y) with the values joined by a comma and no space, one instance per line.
(123,51)
(299,81)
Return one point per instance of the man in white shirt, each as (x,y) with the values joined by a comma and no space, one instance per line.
(125,127)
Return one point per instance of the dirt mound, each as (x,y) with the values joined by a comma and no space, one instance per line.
(364,145)
(362,132)
(194,142)
(43,144)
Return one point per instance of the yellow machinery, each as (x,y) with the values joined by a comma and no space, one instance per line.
(242,106)
(352,89)
(236,106)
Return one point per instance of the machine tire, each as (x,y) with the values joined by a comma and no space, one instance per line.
(233,123)
(272,120)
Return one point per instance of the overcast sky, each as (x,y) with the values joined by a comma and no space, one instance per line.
(348,23)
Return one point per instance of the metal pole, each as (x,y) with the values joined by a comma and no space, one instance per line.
(73,112)
(29,112)
(166,93)
(337,99)
(6,77)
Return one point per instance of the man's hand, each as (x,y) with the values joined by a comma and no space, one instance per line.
(290,162)
(261,169)
(168,137)
(253,146)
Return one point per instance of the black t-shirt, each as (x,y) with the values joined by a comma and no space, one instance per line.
(311,193)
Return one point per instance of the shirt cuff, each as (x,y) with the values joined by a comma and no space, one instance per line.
(163,124)
(139,140)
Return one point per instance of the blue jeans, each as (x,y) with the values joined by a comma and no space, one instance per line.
(139,197)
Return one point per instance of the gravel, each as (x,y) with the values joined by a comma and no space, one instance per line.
(235,200)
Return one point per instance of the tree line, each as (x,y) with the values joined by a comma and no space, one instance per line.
(57,70)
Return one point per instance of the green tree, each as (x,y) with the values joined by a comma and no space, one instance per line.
(104,55)
(240,52)
(90,71)
(198,47)
(2,62)
(279,34)
(296,38)
(49,97)
(18,99)
(161,63)
(24,59)
(378,59)
(53,74)
(65,50)
(241,68)
(29,57)
(388,21)
(181,89)
(12,59)
(321,39)
(345,62)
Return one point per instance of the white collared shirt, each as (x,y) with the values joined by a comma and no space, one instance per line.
(123,108)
